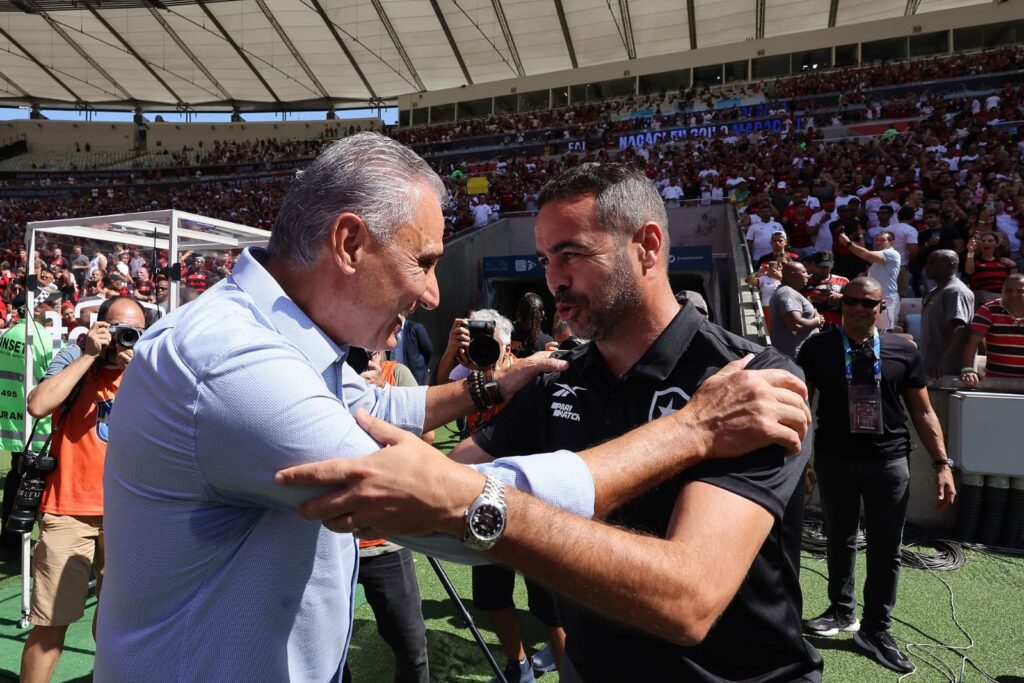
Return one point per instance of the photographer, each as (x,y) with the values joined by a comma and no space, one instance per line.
(493,585)
(79,390)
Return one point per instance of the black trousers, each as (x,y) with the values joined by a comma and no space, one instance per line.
(389,581)
(884,488)
(10,542)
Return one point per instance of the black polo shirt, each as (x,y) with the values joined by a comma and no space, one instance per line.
(758,637)
(823,363)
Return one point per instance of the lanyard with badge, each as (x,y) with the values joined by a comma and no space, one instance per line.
(865,402)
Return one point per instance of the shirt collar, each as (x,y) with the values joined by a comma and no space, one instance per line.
(661,358)
(284,314)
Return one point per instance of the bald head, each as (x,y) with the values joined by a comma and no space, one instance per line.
(942,264)
(864,286)
(794,275)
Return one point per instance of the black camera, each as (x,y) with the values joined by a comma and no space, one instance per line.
(358,359)
(484,350)
(33,468)
(125,335)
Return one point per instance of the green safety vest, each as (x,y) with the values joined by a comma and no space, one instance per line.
(12,384)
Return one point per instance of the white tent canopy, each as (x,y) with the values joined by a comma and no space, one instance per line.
(305,53)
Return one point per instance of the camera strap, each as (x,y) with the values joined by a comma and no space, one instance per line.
(64,410)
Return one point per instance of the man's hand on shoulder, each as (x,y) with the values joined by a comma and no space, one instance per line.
(737,411)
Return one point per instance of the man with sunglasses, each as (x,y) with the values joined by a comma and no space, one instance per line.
(868,383)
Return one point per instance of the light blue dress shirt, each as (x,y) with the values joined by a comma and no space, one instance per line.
(210,573)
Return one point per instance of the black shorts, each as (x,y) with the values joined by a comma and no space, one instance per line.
(493,586)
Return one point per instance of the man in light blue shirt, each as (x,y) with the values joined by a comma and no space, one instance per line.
(211,574)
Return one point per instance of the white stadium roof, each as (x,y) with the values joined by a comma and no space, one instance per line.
(281,54)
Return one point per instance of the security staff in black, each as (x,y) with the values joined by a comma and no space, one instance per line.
(861,450)
(758,637)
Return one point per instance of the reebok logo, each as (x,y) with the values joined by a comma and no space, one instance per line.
(566,411)
(567,390)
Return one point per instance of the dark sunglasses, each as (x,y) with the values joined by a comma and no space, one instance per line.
(852,301)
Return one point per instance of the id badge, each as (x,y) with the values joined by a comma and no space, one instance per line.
(865,409)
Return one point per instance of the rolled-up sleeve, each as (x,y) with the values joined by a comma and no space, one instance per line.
(404,407)
(560,478)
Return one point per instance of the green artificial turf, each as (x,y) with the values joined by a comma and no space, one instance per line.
(987,592)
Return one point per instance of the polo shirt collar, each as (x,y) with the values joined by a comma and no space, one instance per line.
(284,314)
(663,356)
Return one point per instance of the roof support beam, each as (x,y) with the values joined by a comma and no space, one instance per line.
(451,40)
(241,54)
(911,9)
(759,11)
(833,12)
(15,86)
(291,48)
(344,48)
(499,12)
(565,33)
(49,72)
(397,43)
(627,29)
(131,50)
(153,10)
(691,20)
(59,30)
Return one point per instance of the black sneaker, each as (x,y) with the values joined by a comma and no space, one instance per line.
(831,623)
(883,647)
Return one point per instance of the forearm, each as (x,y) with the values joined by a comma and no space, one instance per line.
(445,366)
(953,342)
(52,392)
(969,264)
(930,432)
(639,580)
(445,402)
(970,351)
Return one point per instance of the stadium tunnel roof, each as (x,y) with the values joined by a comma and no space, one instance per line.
(306,54)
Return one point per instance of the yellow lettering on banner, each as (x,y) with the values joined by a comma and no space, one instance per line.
(477,185)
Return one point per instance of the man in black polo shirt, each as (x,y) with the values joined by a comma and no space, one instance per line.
(861,450)
(725,534)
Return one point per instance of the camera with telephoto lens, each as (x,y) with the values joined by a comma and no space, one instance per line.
(484,350)
(125,335)
(33,468)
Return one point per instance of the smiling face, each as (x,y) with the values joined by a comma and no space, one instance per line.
(397,278)
(587,268)
(860,319)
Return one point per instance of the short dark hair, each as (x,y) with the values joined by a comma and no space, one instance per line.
(626,198)
(109,303)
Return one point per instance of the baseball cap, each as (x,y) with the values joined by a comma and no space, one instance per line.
(822,258)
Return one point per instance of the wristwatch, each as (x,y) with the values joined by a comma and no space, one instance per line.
(486,517)
(938,464)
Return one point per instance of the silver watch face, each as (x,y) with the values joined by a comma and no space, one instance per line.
(487,521)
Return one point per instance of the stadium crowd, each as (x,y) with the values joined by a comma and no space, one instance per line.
(933,211)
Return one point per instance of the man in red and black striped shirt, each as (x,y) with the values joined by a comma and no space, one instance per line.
(1000,324)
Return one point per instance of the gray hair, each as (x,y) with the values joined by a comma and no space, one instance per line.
(502,325)
(367,174)
(626,198)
